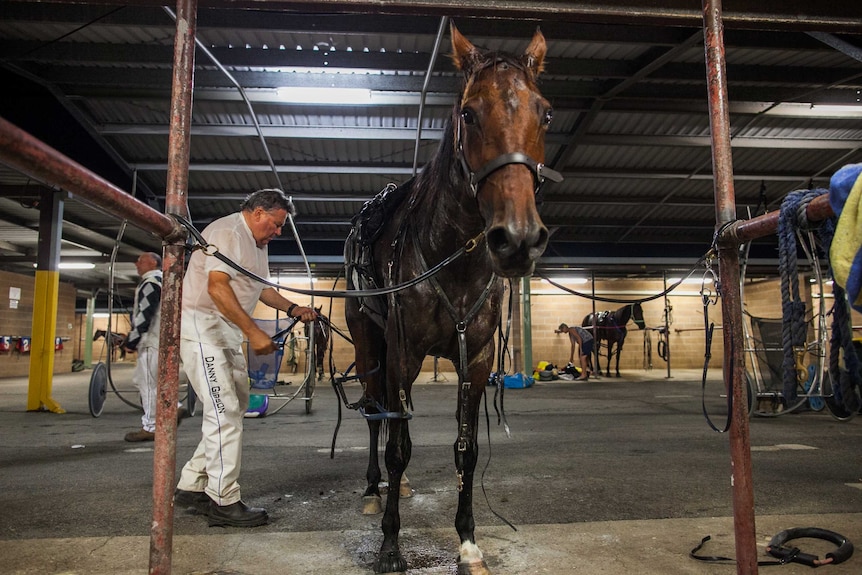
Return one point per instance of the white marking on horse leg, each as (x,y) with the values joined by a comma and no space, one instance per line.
(469,552)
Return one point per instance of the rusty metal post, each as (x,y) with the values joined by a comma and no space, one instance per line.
(731,306)
(173,263)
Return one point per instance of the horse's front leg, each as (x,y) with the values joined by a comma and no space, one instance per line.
(398,450)
(371,501)
(608,366)
(619,353)
(470,558)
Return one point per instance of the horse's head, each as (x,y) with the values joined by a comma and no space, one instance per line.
(500,139)
(638,315)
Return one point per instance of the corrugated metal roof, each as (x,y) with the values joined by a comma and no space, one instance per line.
(630,132)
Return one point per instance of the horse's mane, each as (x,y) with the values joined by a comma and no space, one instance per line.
(442,169)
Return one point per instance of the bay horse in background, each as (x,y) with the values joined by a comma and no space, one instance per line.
(117,342)
(610,327)
(479,185)
(321,340)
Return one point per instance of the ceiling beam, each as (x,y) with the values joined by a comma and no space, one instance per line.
(409,134)
(837,16)
(405,169)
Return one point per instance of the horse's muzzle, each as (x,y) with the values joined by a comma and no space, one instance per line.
(514,253)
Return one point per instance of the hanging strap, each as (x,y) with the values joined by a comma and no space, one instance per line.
(709,298)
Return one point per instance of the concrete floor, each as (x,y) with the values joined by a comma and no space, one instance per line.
(612,476)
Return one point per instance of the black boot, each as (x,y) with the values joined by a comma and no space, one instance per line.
(236,515)
(198,501)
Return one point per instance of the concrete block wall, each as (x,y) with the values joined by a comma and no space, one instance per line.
(551,306)
(16,320)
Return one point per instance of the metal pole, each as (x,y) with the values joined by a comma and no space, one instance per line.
(527,333)
(767,224)
(173,263)
(597,371)
(731,306)
(666,325)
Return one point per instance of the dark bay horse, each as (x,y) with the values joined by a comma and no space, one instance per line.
(477,192)
(610,326)
(117,341)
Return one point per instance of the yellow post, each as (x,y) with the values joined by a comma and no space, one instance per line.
(42,344)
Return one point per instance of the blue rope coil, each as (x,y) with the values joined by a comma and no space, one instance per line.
(841,338)
(792,217)
(793,332)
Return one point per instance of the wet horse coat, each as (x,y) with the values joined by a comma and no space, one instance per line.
(497,128)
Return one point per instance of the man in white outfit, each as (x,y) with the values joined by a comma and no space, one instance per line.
(217,304)
(144,338)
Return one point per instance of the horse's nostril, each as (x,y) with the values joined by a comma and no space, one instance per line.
(542,240)
(502,242)
(498,240)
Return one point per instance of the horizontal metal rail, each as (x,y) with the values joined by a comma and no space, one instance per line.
(31,156)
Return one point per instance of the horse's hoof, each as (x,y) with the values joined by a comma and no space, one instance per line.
(372,505)
(391,563)
(404,489)
(473,568)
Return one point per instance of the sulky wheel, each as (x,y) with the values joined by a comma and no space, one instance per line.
(309,393)
(98,389)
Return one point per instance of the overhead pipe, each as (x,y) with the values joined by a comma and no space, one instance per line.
(746,230)
(742,486)
(30,156)
(424,93)
(202,47)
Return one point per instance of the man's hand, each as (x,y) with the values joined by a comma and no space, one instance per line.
(304,314)
(261,343)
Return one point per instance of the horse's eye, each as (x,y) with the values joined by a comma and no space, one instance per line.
(549,115)
(468,116)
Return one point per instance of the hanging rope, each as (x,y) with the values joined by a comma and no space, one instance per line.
(841,338)
(792,217)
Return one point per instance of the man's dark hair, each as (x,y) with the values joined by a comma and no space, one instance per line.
(268,199)
(156,258)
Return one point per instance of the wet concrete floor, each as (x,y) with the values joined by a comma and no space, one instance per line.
(611,476)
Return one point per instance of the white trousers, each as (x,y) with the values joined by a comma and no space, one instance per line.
(219,377)
(146,380)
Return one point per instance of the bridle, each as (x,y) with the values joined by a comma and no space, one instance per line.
(540,171)
(475,178)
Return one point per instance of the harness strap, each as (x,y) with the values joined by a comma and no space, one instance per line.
(776,548)
(461,328)
(708,299)
(540,171)
(212,250)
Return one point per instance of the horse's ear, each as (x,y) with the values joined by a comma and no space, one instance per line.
(534,57)
(464,54)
